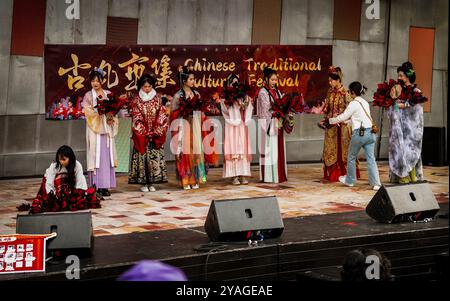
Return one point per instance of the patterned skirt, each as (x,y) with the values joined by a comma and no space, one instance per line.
(148,168)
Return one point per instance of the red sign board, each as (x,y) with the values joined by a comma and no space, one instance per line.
(301,69)
(23,253)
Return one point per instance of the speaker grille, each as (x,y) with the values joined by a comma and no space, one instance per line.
(402,203)
(235,219)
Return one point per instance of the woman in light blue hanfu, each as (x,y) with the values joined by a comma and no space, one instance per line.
(406,128)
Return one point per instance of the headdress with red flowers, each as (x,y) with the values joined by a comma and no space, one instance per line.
(332,70)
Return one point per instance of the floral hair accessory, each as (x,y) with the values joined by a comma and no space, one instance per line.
(335,71)
(410,72)
(100,71)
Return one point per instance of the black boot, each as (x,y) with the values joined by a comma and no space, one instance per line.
(106,192)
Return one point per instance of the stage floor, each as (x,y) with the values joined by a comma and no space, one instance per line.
(312,244)
(128,210)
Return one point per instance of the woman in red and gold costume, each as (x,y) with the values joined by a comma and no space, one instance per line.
(337,137)
(149,124)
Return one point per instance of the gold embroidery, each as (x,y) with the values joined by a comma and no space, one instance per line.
(335,105)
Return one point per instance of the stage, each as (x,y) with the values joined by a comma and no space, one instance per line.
(322,222)
(308,245)
(128,210)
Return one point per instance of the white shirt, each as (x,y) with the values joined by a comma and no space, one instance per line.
(355,112)
(52,171)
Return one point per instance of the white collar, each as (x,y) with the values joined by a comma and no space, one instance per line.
(147,96)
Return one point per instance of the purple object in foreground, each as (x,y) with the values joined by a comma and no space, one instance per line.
(152,270)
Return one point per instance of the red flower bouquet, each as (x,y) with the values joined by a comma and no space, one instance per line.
(285,108)
(237,92)
(413,95)
(289,103)
(382,97)
(187,106)
(110,104)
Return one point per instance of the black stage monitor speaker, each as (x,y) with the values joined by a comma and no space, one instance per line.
(74,229)
(242,219)
(402,203)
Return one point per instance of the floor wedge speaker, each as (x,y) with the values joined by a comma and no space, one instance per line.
(403,203)
(74,229)
(241,219)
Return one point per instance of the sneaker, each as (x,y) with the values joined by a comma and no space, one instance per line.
(106,192)
(342,180)
(195,186)
(236,181)
(376,187)
(151,189)
(187,187)
(144,188)
(243,181)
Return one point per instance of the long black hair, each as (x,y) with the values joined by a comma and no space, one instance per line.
(268,72)
(407,68)
(183,75)
(67,151)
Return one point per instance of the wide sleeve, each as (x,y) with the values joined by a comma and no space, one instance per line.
(114,127)
(161,119)
(248,112)
(326,107)
(79,177)
(138,128)
(137,119)
(224,109)
(94,121)
(174,106)
(416,97)
(263,105)
(50,175)
(226,112)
